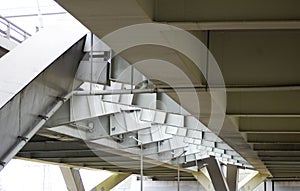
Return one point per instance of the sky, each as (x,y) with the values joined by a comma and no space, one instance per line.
(24,13)
(26,175)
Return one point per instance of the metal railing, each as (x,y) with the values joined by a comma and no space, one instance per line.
(11,31)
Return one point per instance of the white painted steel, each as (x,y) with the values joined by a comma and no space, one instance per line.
(22,64)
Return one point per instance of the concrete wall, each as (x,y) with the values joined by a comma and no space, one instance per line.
(134,185)
(194,186)
(172,185)
(280,186)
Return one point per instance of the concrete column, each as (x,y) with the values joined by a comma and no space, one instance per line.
(216,174)
(232,177)
(72,179)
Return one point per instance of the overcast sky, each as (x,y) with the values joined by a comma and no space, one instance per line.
(32,176)
(25,175)
(24,13)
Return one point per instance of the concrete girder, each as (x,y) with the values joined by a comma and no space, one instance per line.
(253,108)
(263,103)
(110,182)
(283,138)
(235,25)
(128,12)
(199,11)
(72,179)
(242,47)
(230,41)
(161,12)
(276,147)
(269,56)
(269,124)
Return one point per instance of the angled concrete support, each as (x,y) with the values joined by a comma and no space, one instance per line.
(216,174)
(232,177)
(203,180)
(251,181)
(110,182)
(72,179)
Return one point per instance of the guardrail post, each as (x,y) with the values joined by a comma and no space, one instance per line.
(8,31)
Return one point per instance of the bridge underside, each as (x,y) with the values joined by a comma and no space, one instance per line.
(84,109)
(77,154)
(255,45)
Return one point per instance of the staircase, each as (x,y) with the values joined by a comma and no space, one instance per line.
(35,78)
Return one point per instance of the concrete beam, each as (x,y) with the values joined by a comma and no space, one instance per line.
(118,13)
(263,103)
(232,177)
(110,182)
(251,181)
(276,147)
(269,124)
(72,179)
(236,25)
(226,11)
(273,138)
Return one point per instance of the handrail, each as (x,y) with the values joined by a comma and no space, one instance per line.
(12,31)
